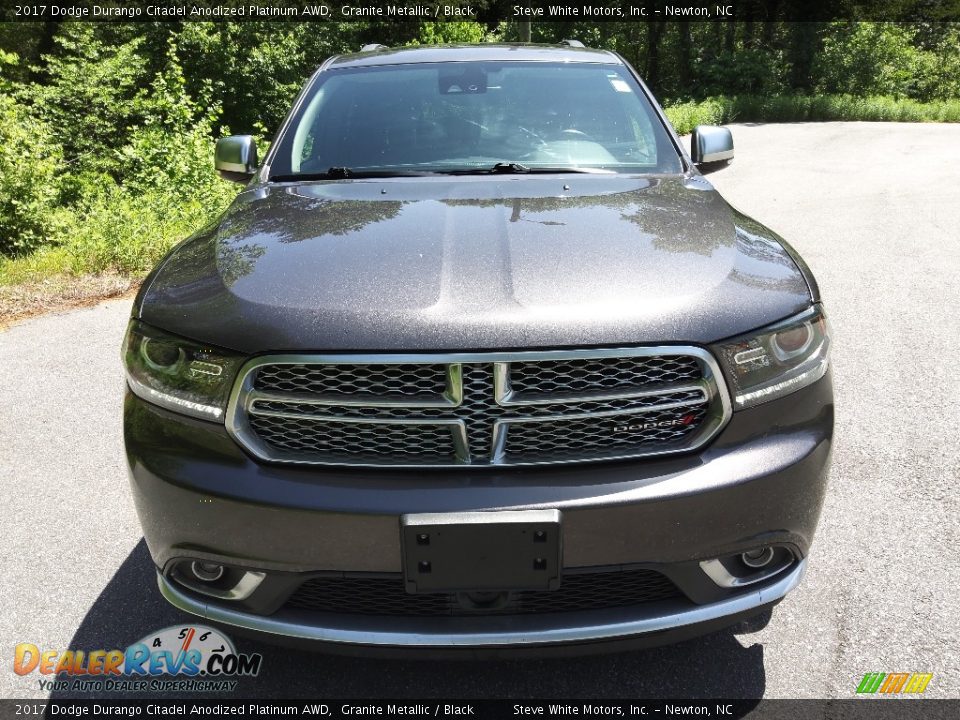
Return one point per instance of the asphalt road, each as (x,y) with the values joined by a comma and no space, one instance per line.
(875,210)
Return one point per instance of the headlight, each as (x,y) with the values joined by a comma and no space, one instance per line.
(777,360)
(178,374)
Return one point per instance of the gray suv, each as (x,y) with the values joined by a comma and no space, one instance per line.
(478,359)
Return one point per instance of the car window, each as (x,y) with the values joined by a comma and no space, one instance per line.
(452,116)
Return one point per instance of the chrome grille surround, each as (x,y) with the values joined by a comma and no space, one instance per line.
(456,409)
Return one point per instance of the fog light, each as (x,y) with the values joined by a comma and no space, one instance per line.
(747,568)
(206,571)
(757,558)
(216,579)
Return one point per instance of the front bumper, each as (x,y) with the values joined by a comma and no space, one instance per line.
(492,632)
(760,482)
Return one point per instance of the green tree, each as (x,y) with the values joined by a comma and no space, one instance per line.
(89,100)
(30,164)
(872,58)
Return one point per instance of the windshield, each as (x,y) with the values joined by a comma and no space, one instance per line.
(472,116)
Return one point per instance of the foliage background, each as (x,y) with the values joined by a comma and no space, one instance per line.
(106,129)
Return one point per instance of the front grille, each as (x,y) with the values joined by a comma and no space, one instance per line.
(346,439)
(484,409)
(578,591)
(579,437)
(573,376)
(350,381)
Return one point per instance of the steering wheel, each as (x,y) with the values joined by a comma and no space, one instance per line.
(579,135)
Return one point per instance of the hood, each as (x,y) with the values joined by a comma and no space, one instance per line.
(475,263)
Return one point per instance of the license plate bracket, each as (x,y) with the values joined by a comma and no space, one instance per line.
(482,551)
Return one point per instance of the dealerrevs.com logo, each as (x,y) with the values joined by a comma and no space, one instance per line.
(191,658)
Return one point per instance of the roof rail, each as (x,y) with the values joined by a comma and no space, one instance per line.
(572,43)
(373,47)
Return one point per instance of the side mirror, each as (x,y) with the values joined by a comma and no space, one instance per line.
(236,158)
(711,147)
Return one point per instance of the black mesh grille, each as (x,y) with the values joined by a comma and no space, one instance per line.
(578,591)
(355,440)
(564,438)
(596,374)
(479,408)
(379,381)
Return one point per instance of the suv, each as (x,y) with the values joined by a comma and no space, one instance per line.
(478,359)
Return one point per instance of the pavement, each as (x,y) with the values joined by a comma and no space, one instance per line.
(875,211)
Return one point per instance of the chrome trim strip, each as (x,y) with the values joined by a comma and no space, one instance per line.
(477,357)
(602,413)
(445,401)
(359,419)
(501,430)
(450,398)
(248,582)
(235,167)
(457,427)
(241,591)
(498,448)
(255,396)
(501,383)
(508,398)
(715,570)
(542,636)
(461,443)
(505,395)
(242,396)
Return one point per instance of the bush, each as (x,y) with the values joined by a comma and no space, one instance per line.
(442,33)
(686,116)
(871,59)
(30,163)
(807,108)
(749,70)
(169,187)
(90,99)
(258,67)
(129,232)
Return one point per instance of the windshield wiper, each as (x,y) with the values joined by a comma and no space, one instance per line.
(509,167)
(341,173)
(515,168)
(505,168)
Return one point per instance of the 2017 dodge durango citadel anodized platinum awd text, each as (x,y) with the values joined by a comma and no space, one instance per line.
(478,359)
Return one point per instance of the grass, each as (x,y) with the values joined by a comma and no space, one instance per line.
(808,108)
(102,251)
(58,292)
(123,234)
